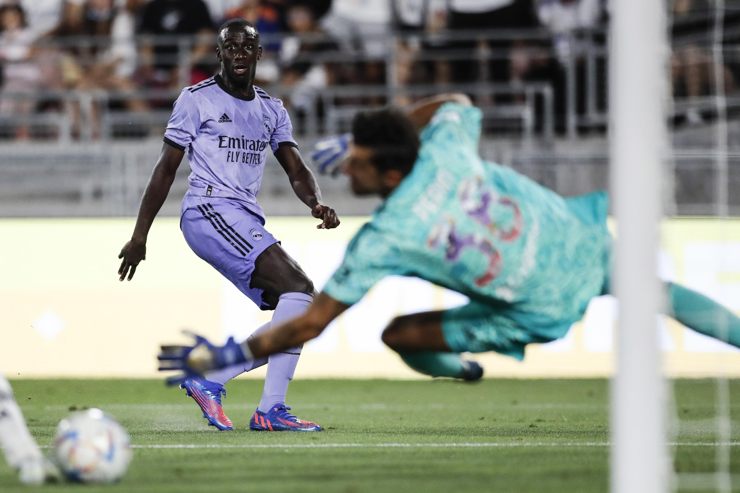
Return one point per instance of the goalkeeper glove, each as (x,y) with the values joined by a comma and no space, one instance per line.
(328,154)
(200,357)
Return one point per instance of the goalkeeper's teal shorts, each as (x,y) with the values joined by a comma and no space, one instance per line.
(478,327)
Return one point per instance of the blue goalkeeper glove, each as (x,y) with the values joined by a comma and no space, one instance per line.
(328,154)
(200,357)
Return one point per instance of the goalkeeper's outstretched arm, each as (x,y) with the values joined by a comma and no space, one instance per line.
(423,110)
(320,313)
(329,153)
(203,356)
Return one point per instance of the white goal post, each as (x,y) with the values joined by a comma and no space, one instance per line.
(638,144)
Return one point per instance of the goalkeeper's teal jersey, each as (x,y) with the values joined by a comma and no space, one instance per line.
(484,231)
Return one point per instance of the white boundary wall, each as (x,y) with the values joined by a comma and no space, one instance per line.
(64,312)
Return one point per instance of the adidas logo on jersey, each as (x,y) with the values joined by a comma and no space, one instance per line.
(224,119)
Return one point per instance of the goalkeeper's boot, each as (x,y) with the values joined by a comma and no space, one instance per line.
(472,371)
(279,419)
(208,396)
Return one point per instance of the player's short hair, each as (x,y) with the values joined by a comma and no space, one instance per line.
(237,22)
(392,137)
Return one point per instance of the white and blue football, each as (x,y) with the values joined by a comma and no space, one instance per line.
(92,447)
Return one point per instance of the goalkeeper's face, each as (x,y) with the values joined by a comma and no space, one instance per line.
(364,176)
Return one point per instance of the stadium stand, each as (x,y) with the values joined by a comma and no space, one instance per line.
(84,100)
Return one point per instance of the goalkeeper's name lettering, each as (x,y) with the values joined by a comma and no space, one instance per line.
(429,203)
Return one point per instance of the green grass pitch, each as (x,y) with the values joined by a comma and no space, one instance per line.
(381,436)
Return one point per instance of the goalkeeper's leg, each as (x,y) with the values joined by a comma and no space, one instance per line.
(419,341)
(706,316)
(19,447)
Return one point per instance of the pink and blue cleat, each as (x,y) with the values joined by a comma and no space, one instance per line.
(208,396)
(279,419)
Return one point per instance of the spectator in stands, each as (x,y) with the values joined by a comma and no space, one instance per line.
(504,60)
(571,24)
(362,27)
(21,74)
(306,63)
(265,14)
(267,17)
(563,18)
(421,24)
(42,15)
(123,44)
(360,24)
(174,21)
(104,63)
(691,64)
(219,8)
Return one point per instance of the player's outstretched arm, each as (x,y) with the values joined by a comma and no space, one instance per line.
(305,186)
(203,356)
(320,313)
(134,251)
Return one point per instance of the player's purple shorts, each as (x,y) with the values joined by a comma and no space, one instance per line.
(224,233)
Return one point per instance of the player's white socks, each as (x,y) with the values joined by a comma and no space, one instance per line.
(19,447)
(281,366)
(225,374)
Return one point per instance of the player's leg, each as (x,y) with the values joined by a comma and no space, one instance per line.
(419,339)
(20,449)
(230,239)
(697,312)
(284,285)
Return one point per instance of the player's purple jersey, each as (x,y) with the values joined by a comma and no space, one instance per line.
(227,139)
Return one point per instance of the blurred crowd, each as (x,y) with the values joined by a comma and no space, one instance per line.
(135,55)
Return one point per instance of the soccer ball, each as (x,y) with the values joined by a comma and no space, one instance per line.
(91,447)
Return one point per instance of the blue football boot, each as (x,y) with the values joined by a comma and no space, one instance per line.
(279,419)
(208,396)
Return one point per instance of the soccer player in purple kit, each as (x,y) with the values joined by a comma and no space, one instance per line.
(227,125)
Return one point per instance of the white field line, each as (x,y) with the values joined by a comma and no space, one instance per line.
(354,407)
(411,445)
(399,445)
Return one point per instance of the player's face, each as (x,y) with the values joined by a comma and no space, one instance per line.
(364,177)
(238,53)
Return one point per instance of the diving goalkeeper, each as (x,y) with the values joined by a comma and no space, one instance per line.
(528,259)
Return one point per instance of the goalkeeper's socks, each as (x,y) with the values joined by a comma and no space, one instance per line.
(225,374)
(281,366)
(435,364)
(15,440)
(696,311)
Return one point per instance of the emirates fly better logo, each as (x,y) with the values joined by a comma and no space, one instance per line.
(242,150)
